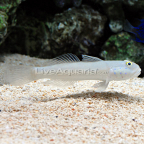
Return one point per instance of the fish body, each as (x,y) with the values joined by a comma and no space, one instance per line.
(86,71)
(74,71)
(137,31)
(67,69)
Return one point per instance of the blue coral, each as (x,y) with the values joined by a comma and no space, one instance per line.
(138,31)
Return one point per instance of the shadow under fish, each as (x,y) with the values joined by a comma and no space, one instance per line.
(137,31)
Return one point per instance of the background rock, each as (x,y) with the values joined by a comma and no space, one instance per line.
(7,7)
(50,28)
(62,3)
(122,47)
(73,31)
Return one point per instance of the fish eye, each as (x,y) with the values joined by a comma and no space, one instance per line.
(128,63)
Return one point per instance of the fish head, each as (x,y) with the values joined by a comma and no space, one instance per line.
(127,70)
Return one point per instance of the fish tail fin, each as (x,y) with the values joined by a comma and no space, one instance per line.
(128,27)
(16,75)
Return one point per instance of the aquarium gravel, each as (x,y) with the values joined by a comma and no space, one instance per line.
(36,113)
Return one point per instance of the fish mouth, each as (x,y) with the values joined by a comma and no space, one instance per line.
(137,73)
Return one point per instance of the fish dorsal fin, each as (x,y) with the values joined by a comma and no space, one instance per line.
(65,58)
(86,58)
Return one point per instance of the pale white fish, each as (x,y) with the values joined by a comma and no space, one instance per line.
(67,69)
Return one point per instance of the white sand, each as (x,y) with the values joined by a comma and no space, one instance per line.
(35,113)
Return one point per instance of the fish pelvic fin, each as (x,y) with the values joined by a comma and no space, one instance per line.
(101,86)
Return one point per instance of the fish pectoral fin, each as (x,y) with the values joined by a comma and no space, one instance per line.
(59,83)
(101,86)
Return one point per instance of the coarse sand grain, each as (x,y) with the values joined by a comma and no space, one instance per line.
(38,114)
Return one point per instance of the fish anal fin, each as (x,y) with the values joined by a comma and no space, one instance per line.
(59,83)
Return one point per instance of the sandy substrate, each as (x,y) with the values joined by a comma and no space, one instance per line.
(35,113)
